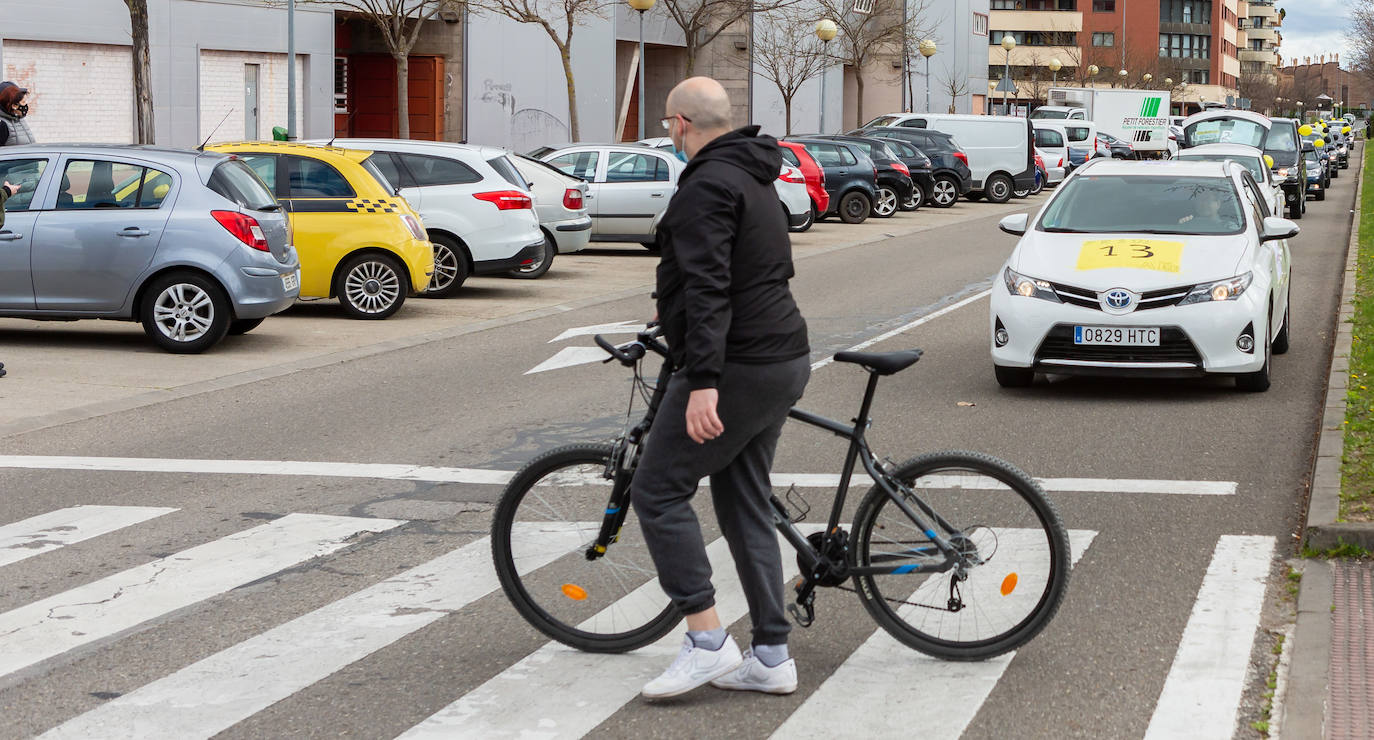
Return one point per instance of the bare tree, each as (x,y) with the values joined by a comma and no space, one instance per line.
(399,22)
(1260,88)
(1359,36)
(702,21)
(788,54)
(143,74)
(864,37)
(954,87)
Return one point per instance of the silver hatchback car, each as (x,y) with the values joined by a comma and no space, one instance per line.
(191,244)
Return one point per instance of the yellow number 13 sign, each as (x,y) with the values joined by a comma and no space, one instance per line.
(1138,254)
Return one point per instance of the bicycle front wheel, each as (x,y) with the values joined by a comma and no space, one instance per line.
(992,511)
(548,516)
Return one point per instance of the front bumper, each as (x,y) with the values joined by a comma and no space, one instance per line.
(1195,340)
(496,267)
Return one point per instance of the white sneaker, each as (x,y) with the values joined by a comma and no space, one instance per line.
(693,667)
(753,675)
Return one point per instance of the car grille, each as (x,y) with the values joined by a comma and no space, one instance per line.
(1174,347)
(1148,300)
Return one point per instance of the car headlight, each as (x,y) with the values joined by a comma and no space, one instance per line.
(1281,172)
(1222,290)
(1029,287)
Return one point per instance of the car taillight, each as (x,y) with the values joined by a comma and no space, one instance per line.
(506,200)
(902,168)
(1061,162)
(244,227)
(961,157)
(572,199)
(413,224)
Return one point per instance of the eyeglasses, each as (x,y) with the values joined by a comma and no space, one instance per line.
(666,122)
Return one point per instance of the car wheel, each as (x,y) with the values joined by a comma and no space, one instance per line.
(1257,382)
(945,192)
(854,207)
(1039,185)
(450,267)
(805,225)
(1013,377)
(1320,194)
(184,312)
(1296,207)
(540,265)
(918,197)
(1280,346)
(1019,193)
(238,327)
(998,188)
(886,204)
(371,286)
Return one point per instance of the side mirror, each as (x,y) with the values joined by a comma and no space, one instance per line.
(1014,224)
(1276,228)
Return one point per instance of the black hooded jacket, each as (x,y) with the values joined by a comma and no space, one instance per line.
(726,259)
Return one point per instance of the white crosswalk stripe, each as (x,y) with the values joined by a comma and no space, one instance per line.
(213,694)
(65,621)
(55,529)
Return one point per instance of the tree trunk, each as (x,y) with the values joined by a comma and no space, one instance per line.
(402,95)
(787,114)
(143,75)
(859,97)
(565,54)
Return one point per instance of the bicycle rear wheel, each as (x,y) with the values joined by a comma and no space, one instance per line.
(548,516)
(990,506)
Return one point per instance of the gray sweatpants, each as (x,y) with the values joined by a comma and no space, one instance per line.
(753,405)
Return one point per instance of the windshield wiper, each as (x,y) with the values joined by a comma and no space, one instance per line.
(1061,230)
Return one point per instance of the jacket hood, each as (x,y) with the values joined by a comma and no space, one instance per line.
(744,148)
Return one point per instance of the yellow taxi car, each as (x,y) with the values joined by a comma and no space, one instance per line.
(358,241)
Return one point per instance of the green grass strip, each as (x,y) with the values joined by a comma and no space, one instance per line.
(1357,464)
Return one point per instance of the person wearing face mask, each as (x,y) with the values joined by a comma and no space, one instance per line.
(740,347)
(14,129)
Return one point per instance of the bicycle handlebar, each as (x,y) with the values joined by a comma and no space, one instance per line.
(631,352)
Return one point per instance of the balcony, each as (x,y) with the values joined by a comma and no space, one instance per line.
(1267,56)
(1036,20)
(1032,56)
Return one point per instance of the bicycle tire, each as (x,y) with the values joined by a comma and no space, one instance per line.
(895,601)
(534,581)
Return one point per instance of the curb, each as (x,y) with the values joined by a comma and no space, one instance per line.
(1322,531)
(1304,701)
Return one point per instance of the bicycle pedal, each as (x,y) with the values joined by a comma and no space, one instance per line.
(802,620)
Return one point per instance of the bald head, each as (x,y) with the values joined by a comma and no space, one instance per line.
(703,101)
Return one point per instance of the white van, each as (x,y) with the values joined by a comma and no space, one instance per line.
(1077,134)
(999,148)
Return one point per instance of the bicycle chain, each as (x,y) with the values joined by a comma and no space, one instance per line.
(897,601)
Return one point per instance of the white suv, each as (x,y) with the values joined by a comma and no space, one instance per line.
(478,210)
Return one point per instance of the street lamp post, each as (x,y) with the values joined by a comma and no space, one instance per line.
(290,70)
(1146,78)
(1123,74)
(928,50)
(1055,66)
(640,6)
(1008,43)
(1093,70)
(825,31)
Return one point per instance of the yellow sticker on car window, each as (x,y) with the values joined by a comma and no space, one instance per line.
(1139,254)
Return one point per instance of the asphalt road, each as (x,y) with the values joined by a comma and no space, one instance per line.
(467,402)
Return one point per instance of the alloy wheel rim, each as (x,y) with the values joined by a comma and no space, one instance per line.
(372,287)
(445,268)
(916,198)
(538,262)
(944,192)
(184,312)
(887,201)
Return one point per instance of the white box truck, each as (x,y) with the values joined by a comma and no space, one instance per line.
(1140,117)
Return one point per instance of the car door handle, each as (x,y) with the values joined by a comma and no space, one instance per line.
(9,236)
(132,231)
(655,195)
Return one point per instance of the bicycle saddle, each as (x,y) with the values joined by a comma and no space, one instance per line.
(882,363)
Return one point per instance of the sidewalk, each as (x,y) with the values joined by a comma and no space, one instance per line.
(1330,693)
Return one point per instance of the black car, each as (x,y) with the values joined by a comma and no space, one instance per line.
(950,175)
(894,179)
(918,165)
(1120,149)
(851,177)
(1282,144)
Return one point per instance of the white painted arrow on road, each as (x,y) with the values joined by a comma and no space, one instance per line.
(572,356)
(620,327)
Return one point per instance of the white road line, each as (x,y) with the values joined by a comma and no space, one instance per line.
(1202,692)
(883,673)
(47,532)
(558,692)
(213,694)
(52,626)
(620,327)
(569,357)
(482,476)
(907,327)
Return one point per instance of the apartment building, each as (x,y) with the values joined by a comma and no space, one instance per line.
(1191,47)
(1259,52)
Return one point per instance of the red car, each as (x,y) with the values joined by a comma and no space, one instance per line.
(796,155)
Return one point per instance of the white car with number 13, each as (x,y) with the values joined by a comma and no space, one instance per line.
(1150,269)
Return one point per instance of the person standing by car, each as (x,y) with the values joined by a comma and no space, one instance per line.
(740,347)
(6,192)
(14,130)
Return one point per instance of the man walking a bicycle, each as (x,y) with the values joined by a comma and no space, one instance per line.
(741,346)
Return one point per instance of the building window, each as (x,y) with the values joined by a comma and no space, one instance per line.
(980,24)
(1185,46)
(1104,6)
(1035,38)
(1228,48)
(1196,76)
(1257,45)
(340,84)
(1185,11)
(1104,39)
(1257,21)
(1008,5)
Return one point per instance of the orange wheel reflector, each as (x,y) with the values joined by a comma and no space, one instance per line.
(1008,584)
(577,593)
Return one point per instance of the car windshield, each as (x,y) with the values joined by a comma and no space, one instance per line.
(1043,115)
(1253,164)
(1281,140)
(1225,131)
(1148,204)
(882,121)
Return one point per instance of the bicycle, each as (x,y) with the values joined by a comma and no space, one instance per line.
(967,592)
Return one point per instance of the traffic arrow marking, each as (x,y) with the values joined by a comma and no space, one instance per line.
(620,327)
(569,357)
